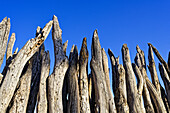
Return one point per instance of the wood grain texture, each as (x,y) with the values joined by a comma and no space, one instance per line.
(73,87)
(166,80)
(121,92)
(10,46)
(102,99)
(160,58)
(15,68)
(156,98)
(141,63)
(4,34)
(56,79)
(42,94)
(153,71)
(21,96)
(133,101)
(83,78)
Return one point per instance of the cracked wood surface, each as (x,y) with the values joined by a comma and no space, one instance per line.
(166,80)
(102,99)
(35,79)
(65,46)
(141,63)
(133,101)
(83,78)
(106,71)
(20,98)
(153,71)
(114,70)
(160,58)
(121,93)
(73,105)
(56,79)
(140,86)
(4,34)
(156,98)
(119,84)
(10,46)
(25,84)
(42,94)
(15,68)
(1,77)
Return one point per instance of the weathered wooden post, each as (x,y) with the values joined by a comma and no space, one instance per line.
(15,68)
(103,103)
(83,78)
(56,79)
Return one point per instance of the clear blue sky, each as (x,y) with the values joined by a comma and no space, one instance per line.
(118,22)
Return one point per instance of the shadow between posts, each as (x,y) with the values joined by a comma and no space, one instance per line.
(27,87)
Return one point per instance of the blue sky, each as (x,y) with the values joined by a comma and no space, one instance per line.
(135,22)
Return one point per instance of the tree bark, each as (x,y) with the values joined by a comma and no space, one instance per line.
(42,94)
(56,79)
(73,88)
(133,101)
(4,34)
(15,68)
(83,78)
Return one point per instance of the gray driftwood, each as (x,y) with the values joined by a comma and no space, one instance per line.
(141,63)
(133,100)
(160,58)
(102,99)
(1,77)
(73,88)
(10,46)
(20,98)
(166,80)
(83,78)
(140,85)
(15,68)
(160,107)
(121,92)
(153,72)
(26,87)
(109,91)
(56,79)
(114,69)
(42,94)
(4,33)
(119,84)
(65,46)
(35,79)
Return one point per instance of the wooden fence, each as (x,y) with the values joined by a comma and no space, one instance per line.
(26,86)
